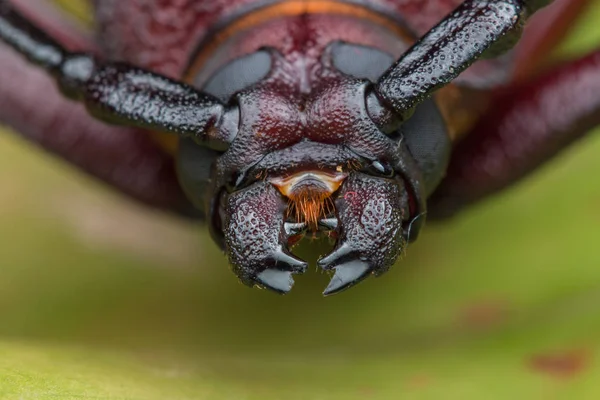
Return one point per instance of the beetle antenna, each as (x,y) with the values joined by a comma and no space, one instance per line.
(118,92)
(474,28)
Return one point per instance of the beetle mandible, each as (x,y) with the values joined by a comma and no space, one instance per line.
(270,119)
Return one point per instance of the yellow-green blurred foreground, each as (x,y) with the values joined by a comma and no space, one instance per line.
(102,299)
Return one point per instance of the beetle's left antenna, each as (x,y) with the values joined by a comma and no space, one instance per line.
(476,28)
(117,92)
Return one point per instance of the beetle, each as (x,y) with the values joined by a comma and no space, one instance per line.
(270,120)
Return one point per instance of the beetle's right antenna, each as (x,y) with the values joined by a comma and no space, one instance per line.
(474,28)
(117,92)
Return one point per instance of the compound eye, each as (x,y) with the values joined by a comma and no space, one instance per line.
(237,75)
(428,140)
(194,165)
(358,61)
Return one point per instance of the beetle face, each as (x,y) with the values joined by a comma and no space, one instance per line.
(313,164)
(314,126)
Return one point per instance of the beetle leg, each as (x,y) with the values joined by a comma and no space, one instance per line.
(117,92)
(526,126)
(256,237)
(371,216)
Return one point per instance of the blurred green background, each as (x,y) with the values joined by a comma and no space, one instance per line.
(100,298)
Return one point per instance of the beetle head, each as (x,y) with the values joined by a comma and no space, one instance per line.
(318,163)
(324,169)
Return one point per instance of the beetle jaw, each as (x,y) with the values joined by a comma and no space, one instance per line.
(256,238)
(367,218)
(309,195)
(373,220)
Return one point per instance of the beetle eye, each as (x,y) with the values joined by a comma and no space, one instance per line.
(358,61)
(381,169)
(236,76)
(194,166)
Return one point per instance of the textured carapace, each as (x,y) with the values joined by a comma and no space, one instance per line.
(295,117)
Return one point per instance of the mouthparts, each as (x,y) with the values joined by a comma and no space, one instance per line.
(309,195)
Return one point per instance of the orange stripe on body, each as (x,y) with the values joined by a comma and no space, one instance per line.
(279,10)
(291,9)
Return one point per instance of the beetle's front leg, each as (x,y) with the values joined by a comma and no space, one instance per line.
(526,126)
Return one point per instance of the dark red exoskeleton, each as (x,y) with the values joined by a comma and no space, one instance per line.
(271,119)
